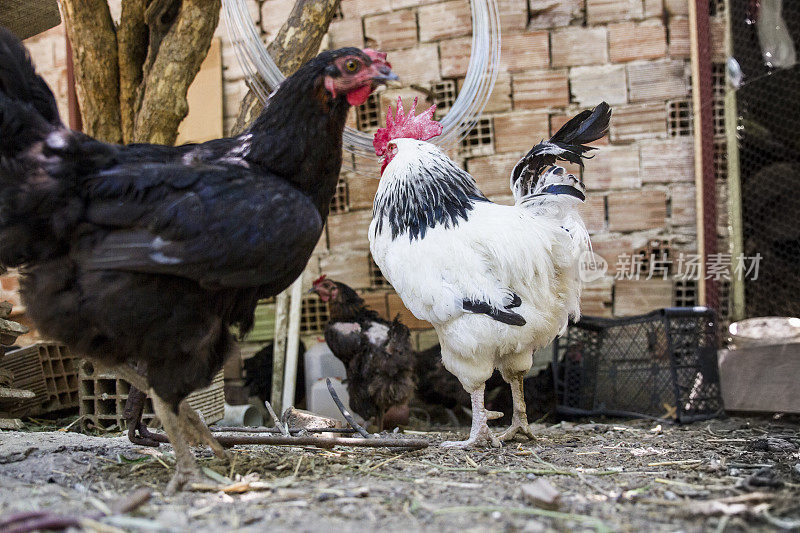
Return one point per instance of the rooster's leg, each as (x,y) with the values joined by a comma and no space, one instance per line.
(519,418)
(479,435)
(186,469)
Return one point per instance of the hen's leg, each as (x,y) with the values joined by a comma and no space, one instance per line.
(479,435)
(195,426)
(519,417)
(186,469)
(138,433)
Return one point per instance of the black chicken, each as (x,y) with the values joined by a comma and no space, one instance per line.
(377,354)
(258,374)
(146,253)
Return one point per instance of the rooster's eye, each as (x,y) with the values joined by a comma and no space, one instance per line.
(351,65)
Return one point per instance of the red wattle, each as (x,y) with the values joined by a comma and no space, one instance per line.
(359,96)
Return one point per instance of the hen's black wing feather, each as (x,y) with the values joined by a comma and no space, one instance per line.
(214,223)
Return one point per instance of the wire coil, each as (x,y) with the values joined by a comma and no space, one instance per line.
(265,76)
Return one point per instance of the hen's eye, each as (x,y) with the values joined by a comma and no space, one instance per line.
(351,65)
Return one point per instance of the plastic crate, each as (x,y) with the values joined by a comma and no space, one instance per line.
(103,396)
(659,365)
(49,370)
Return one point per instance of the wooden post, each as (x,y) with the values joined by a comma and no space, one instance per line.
(737,302)
(292,344)
(279,348)
(705,183)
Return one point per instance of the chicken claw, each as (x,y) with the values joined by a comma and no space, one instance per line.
(515,429)
(480,435)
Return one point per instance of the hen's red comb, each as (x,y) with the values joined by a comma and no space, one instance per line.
(319,280)
(421,127)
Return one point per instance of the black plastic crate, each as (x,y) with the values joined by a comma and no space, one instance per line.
(662,365)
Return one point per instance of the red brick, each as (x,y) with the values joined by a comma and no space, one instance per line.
(348,231)
(657,80)
(597,298)
(397,307)
(636,297)
(684,207)
(392,30)
(630,41)
(613,167)
(500,99)
(541,88)
(416,65)
(677,7)
(492,173)
(668,161)
(518,131)
(361,190)
(640,121)
(555,13)
(599,11)
(593,212)
(273,15)
(576,46)
(447,19)
(637,210)
(359,8)
(611,247)
(679,41)
(525,51)
(351,268)
(346,32)
(455,57)
(513,14)
(376,300)
(653,8)
(592,85)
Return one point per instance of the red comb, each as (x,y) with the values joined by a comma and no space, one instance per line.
(421,127)
(319,280)
(376,56)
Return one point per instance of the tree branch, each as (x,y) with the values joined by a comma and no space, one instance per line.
(173,67)
(94,47)
(133,38)
(297,41)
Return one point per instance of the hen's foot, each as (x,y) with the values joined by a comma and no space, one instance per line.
(197,430)
(141,435)
(188,479)
(518,428)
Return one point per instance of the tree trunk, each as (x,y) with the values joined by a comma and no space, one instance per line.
(132,84)
(297,41)
(94,47)
(174,65)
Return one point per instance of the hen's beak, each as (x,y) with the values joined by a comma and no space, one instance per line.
(382,75)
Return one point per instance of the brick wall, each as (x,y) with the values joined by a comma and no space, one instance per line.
(558,58)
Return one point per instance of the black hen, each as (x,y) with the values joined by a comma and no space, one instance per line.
(377,354)
(258,374)
(149,254)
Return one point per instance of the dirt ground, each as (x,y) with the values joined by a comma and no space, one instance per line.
(737,474)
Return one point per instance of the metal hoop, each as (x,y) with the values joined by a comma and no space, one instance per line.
(463,115)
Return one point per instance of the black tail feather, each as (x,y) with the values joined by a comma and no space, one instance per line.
(568,144)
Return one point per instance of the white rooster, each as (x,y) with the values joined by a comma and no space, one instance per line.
(497,282)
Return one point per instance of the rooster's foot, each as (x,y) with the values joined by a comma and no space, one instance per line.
(517,429)
(483,438)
